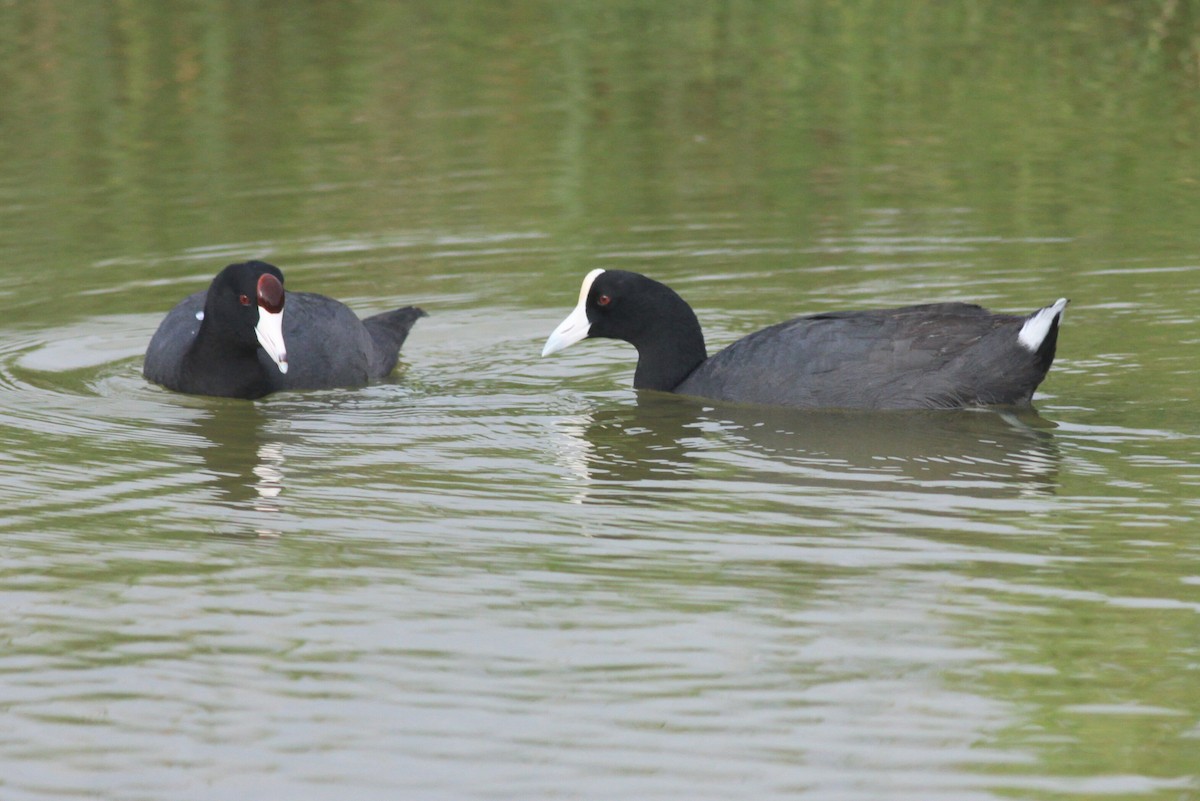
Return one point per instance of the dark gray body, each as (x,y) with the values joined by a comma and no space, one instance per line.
(327,346)
(940,355)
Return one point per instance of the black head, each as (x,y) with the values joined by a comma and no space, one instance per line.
(617,304)
(245,305)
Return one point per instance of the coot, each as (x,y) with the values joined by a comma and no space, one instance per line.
(244,337)
(939,355)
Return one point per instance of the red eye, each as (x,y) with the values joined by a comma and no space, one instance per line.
(244,300)
(603,300)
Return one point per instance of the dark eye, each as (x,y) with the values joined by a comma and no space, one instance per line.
(244,300)
(603,300)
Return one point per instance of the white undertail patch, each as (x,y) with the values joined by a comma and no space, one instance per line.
(1034,332)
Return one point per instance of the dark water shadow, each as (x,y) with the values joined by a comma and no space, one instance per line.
(986,452)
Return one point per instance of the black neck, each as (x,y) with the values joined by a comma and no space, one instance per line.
(230,368)
(669,347)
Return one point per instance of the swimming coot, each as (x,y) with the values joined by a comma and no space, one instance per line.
(244,337)
(939,355)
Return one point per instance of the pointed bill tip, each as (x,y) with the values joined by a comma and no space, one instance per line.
(270,335)
(576,326)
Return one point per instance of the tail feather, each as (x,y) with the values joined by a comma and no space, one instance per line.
(1039,334)
(1034,332)
(388,332)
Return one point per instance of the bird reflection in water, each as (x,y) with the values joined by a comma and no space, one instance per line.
(245,459)
(646,451)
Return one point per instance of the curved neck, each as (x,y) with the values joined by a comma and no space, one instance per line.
(669,347)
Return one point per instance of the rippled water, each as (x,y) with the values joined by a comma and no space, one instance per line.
(500,576)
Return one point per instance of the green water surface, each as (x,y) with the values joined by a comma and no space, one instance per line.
(499,576)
